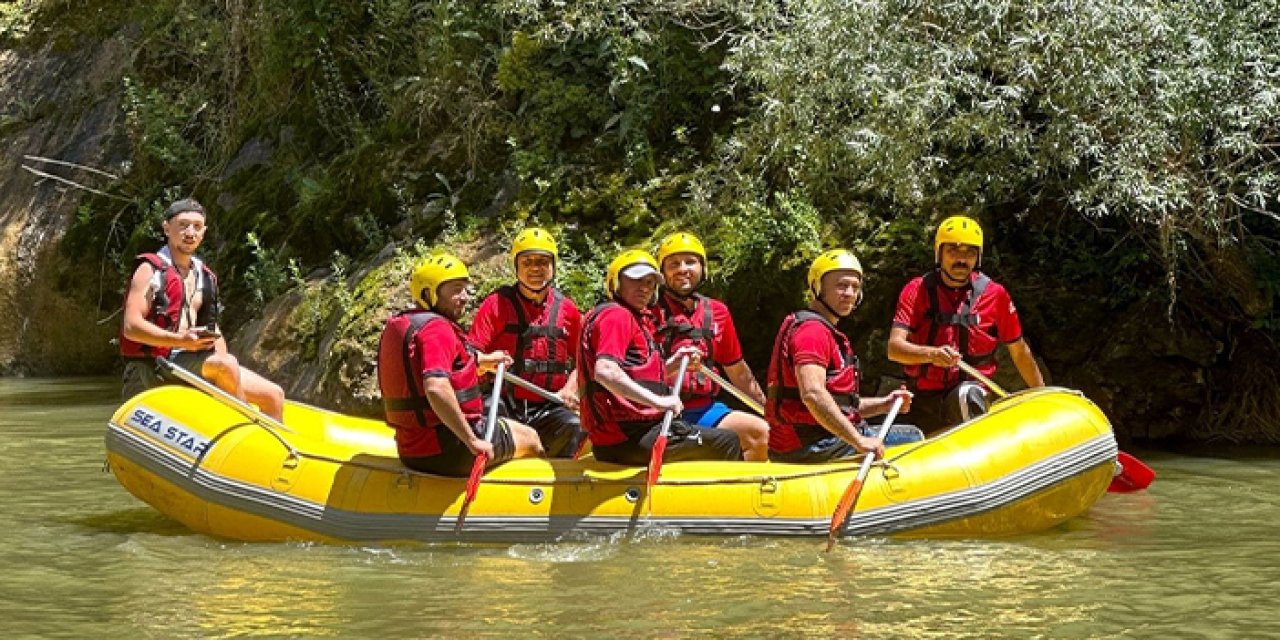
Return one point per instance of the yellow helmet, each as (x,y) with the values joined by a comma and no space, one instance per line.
(958,230)
(433,272)
(682,243)
(833,260)
(626,259)
(534,240)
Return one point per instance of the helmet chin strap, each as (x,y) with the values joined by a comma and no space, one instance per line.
(435,309)
(833,311)
(952,282)
(683,297)
(538,290)
(617,297)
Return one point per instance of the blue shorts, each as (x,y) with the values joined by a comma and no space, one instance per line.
(898,433)
(707,417)
(833,448)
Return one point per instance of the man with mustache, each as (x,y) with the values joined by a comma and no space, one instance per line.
(171,311)
(952,313)
(539,326)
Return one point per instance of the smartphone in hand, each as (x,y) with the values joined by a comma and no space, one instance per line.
(207,332)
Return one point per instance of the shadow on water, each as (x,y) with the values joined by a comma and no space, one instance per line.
(59,392)
(130,521)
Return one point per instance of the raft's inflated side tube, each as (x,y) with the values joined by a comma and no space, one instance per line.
(1037,459)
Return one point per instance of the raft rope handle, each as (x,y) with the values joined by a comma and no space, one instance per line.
(743,480)
(406,472)
(294,454)
(297,454)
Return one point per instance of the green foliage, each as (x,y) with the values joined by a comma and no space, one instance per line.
(1122,149)
(615,108)
(580,272)
(15,21)
(267,277)
(1161,116)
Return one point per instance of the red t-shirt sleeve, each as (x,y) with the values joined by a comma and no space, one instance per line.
(439,347)
(614,330)
(1008,324)
(488,323)
(812,344)
(728,349)
(910,312)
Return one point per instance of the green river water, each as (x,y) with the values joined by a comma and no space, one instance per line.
(1195,556)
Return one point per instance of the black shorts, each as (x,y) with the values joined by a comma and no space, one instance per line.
(934,411)
(684,442)
(558,427)
(142,374)
(455,459)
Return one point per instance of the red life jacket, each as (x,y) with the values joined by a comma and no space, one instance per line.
(404,399)
(960,330)
(791,424)
(169,304)
(607,416)
(542,352)
(675,331)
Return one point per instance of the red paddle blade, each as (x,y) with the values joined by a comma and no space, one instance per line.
(655,467)
(1133,476)
(841,514)
(582,447)
(473,484)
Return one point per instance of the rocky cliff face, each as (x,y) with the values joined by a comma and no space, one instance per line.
(320,340)
(61,105)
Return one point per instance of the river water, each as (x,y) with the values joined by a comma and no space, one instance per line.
(1195,556)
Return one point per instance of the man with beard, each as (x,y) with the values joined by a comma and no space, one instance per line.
(688,318)
(623,375)
(952,313)
(814,411)
(171,311)
(430,379)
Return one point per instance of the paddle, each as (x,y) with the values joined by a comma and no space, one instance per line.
(248,410)
(532,388)
(1132,476)
(660,445)
(477,467)
(737,393)
(548,396)
(851,494)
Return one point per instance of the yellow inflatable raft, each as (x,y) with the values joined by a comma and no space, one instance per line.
(1038,458)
